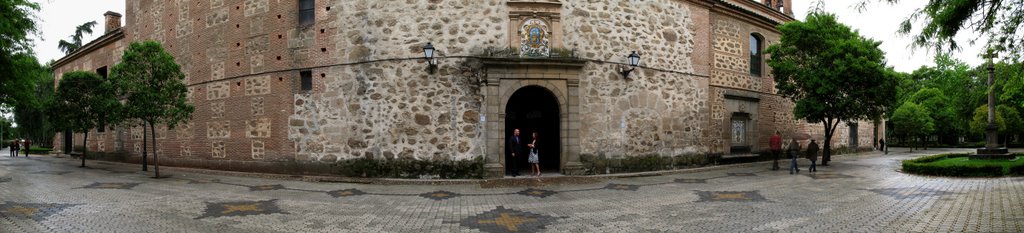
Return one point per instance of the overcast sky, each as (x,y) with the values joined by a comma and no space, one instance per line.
(60,17)
(879,22)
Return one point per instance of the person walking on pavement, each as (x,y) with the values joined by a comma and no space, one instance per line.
(775,143)
(881,145)
(28,146)
(794,152)
(812,154)
(514,148)
(15,147)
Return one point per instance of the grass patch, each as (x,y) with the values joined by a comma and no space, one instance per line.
(962,166)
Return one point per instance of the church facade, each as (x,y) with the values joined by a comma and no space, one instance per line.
(323,81)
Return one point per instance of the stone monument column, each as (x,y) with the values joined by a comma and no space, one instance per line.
(992,149)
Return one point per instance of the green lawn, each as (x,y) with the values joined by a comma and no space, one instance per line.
(966,161)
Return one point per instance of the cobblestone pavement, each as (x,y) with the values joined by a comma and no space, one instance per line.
(859,193)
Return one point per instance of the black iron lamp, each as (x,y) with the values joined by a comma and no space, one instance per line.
(428,53)
(634,60)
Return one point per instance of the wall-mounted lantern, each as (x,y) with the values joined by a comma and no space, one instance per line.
(428,53)
(634,60)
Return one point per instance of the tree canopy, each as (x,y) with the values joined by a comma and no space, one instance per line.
(912,120)
(81,100)
(76,39)
(939,110)
(16,58)
(1008,120)
(997,21)
(150,83)
(33,123)
(832,73)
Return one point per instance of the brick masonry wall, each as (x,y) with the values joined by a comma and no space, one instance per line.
(104,56)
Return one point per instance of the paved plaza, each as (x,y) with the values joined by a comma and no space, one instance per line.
(858,193)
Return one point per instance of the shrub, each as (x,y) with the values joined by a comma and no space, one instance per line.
(926,166)
(1017,170)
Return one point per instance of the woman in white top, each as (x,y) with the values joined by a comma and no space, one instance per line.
(533,159)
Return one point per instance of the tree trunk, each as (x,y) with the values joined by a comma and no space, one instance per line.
(827,149)
(85,147)
(145,166)
(156,159)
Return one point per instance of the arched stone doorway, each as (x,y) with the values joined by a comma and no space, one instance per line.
(542,94)
(535,109)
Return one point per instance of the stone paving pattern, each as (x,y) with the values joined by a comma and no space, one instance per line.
(858,193)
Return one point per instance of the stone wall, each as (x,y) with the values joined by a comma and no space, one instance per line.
(659,108)
(390,110)
(372,96)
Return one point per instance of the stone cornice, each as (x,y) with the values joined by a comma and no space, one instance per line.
(106,39)
(745,14)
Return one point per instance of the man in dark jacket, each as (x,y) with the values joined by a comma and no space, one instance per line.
(15,147)
(812,154)
(28,145)
(515,147)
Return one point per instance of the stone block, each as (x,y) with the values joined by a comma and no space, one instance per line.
(217,109)
(258,128)
(257,85)
(257,106)
(218,90)
(257,45)
(185,150)
(256,63)
(184,131)
(216,3)
(258,149)
(218,129)
(216,17)
(253,7)
(218,149)
(183,29)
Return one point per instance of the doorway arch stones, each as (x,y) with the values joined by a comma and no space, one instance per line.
(503,78)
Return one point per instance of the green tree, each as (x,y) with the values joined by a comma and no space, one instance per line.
(906,86)
(912,120)
(6,131)
(979,122)
(937,104)
(82,98)
(1011,78)
(150,83)
(31,115)
(832,73)
(1013,121)
(16,58)
(76,40)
